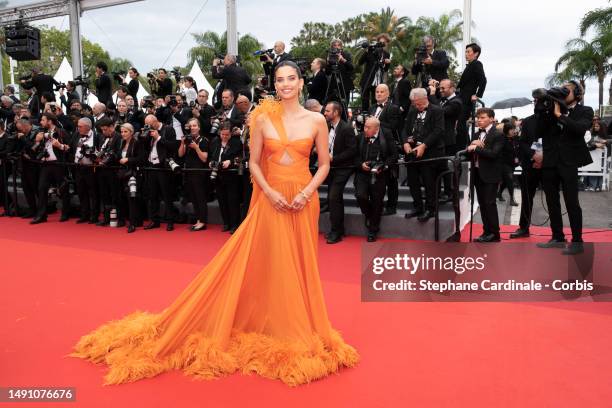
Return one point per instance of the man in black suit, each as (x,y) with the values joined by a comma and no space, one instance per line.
(400,89)
(235,77)
(471,86)
(85,142)
(223,151)
(435,66)
(375,153)
(564,151)
(530,143)
(103,84)
(340,64)
(390,118)
(317,84)
(203,111)
(423,138)
(377,60)
(452,107)
(273,60)
(40,81)
(342,150)
(161,146)
(229,111)
(486,147)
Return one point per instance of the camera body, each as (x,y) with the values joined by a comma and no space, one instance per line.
(214,165)
(174,166)
(262,54)
(118,74)
(188,139)
(80,81)
(215,125)
(376,167)
(546,98)
(333,56)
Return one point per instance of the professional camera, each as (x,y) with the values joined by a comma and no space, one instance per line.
(333,55)
(105,156)
(145,132)
(172,102)
(177,75)
(174,166)
(216,123)
(118,74)
(546,98)
(88,154)
(41,150)
(80,81)
(359,121)
(372,46)
(132,186)
(59,86)
(214,165)
(241,164)
(188,139)
(193,104)
(147,102)
(262,54)
(376,167)
(421,53)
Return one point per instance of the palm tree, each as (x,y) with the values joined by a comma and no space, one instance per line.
(385,22)
(211,44)
(588,59)
(599,19)
(447,30)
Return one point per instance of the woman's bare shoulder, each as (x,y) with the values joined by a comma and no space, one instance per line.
(314,117)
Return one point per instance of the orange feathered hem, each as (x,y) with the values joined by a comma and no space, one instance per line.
(127,345)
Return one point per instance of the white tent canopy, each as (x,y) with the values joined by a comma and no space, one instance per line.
(64,74)
(198,76)
(142,92)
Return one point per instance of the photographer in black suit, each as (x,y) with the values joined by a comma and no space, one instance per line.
(273,59)
(203,111)
(486,147)
(471,86)
(85,145)
(400,89)
(40,81)
(161,140)
(390,118)
(342,151)
(423,138)
(376,152)
(339,71)
(317,84)
(234,76)
(432,64)
(221,159)
(377,59)
(106,178)
(103,84)
(564,151)
(452,107)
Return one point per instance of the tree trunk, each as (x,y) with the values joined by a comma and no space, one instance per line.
(610,93)
(601,88)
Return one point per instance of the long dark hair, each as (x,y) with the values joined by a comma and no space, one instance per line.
(291,64)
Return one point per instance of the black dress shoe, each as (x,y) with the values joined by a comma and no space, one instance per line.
(63,218)
(426,216)
(38,220)
(553,243)
(389,211)
(415,213)
(103,223)
(225,228)
(151,225)
(193,228)
(334,238)
(520,233)
(500,198)
(169,227)
(574,248)
(513,203)
(371,237)
(131,228)
(488,238)
(81,221)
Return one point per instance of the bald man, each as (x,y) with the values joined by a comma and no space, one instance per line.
(84,142)
(390,117)
(273,60)
(376,152)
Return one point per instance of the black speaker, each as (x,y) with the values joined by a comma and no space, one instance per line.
(22,42)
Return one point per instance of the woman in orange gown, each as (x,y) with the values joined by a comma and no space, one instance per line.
(258,306)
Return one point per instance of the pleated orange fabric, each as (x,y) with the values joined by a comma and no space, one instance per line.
(257,307)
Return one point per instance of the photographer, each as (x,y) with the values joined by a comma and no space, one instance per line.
(30,170)
(132,154)
(103,84)
(390,118)
(452,107)
(39,81)
(68,94)
(234,76)
(229,111)
(429,62)
(376,152)
(222,155)
(400,89)
(245,107)
(85,144)
(164,84)
(509,160)
(133,85)
(564,151)
(161,141)
(194,150)
(377,59)
(339,71)
(106,178)
(202,111)
(342,152)
(317,84)
(272,59)
(7,148)
(51,146)
(423,138)
(471,86)
(9,91)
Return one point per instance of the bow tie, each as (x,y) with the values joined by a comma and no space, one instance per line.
(380,105)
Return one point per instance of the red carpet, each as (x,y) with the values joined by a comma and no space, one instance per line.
(61,281)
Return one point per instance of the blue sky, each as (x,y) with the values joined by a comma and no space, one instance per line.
(521,39)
